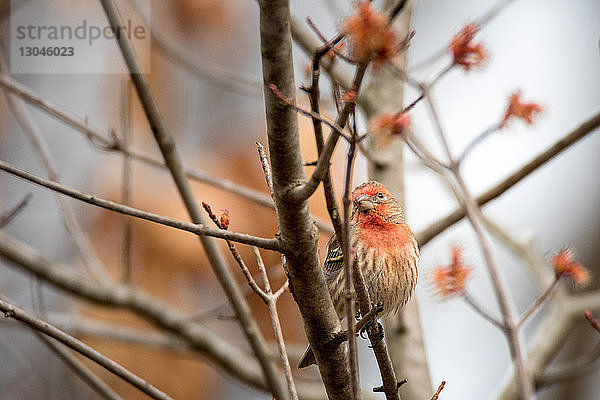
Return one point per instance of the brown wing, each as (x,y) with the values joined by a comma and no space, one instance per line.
(334,262)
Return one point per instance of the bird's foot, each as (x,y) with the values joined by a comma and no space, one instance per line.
(367,323)
(375,334)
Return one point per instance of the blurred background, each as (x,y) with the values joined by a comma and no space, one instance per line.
(547,49)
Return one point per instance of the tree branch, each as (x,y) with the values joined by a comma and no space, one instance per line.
(9,215)
(475,217)
(12,311)
(97,384)
(496,191)
(215,74)
(271,302)
(304,191)
(71,223)
(349,289)
(198,229)
(297,232)
(232,359)
(100,141)
(552,335)
(310,45)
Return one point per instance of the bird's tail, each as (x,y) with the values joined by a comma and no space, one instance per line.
(308,358)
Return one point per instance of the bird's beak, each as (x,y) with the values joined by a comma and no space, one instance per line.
(363,203)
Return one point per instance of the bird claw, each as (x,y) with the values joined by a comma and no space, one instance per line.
(377,336)
(378,308)
(363,333)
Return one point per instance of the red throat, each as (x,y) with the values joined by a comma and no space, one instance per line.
(376,233)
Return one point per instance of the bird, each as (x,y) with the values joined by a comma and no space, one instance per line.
(384,247)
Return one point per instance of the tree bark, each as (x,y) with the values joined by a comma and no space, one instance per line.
(296,227)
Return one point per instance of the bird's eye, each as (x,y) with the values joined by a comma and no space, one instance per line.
(380,195)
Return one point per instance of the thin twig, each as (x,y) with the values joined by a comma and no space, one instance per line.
(537,303)
(126,187)
(100,141)
(395,11)
(266,295)
(309,44)
(198,229)
(479,139)
(9,215)
(374,331)
(412,104)
(593,321)
(335,127)
(31,130)
(12,311)
(216,311)
(306,190)
(473,213)
(314,95)
(236,81)
(481,311)
(436,395)
(349,293)
(497,190)
(92,380)
(481,21)
(569,369)
(528,250)
(271,303)
(237,257)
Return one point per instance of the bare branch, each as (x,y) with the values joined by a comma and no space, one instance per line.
(436,395)
(71,223)
(314,115)
(297,231)
(349,290)
(310,45)
(314,98)
(215,74)
(474,214)
(237,257)
(231,358)
(126,191)
(475,142)
(375,331)
(553,333)
(79,369)
(198,229)
(303,192)
(8,216)
(537,303)
(481,21)
(271,302)
(593,321)
(497,190)
(481,311)
(568,369)
(12,311)
(100,140)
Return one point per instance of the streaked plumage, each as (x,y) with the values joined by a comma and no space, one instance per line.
(385,248)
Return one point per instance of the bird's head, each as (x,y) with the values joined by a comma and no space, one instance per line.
(372,202)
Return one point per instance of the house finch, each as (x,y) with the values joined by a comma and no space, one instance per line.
(386,251)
